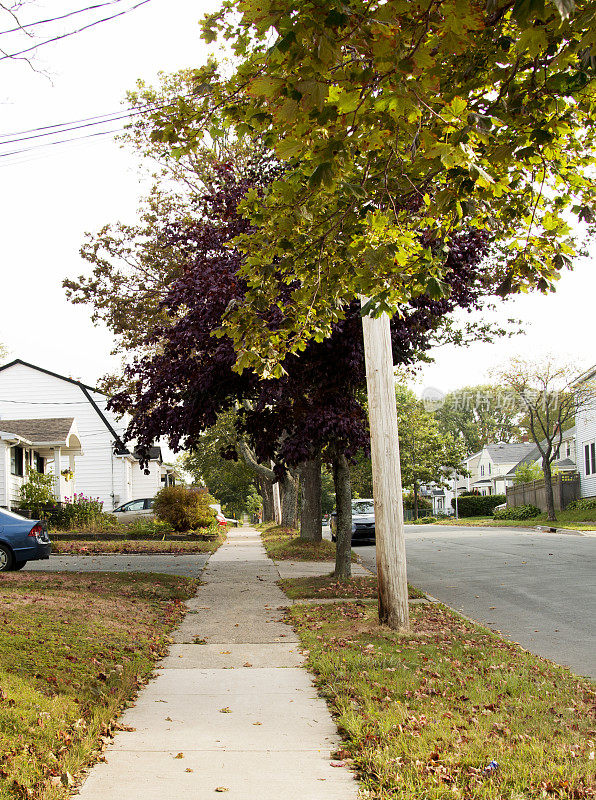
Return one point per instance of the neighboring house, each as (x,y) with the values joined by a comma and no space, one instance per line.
(103,466)
(564,457)
(36,444)
(585,437)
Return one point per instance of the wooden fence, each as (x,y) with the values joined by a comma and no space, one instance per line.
(565,489)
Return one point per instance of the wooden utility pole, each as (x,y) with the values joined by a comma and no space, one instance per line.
(386,474)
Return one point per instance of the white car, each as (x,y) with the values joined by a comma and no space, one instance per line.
(134,510)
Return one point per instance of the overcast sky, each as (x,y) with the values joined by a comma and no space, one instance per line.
(50,197)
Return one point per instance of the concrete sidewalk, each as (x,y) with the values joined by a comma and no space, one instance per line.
(231,710)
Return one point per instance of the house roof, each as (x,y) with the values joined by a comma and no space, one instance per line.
(507,453)
(53,430)
(121,449)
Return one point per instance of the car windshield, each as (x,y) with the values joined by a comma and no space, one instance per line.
(363,507)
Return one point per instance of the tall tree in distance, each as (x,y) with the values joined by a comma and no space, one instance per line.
(480,415)
(549,394)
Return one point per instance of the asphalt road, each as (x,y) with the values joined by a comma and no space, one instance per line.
(538,589)
(186,565)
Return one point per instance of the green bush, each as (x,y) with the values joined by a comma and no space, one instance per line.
(519,512)
(423,502)
(183,508)
(37,493)
(475,505)
(585,504)
(424,521)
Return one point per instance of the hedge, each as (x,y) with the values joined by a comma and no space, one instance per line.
(478,505)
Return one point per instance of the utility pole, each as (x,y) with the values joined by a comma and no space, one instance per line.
(386,473)
(455,494)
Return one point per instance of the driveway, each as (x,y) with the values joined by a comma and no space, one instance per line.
(186,565)
(538,589)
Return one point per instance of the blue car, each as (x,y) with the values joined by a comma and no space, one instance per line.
(21,540)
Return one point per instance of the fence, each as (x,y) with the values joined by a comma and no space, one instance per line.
(565,489)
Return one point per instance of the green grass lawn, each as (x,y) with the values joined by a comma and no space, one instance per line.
(576,520)
(90,546)
(74,648)
(325,586)
(284,544)
(423,714)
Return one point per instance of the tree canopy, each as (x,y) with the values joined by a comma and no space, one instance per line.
(398,124)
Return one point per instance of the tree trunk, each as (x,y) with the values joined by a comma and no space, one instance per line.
(548,487)
(415,491)
(311,525)
(266,492)
(343,505)
(289,500)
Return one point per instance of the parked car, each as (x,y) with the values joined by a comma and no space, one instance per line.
(21,540)
(134,510)
(363,522)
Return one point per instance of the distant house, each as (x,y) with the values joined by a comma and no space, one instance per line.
(59,425)
(585,436)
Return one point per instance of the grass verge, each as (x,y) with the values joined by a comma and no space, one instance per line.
(74,648)
(423,714)
(575,520)
(89,546)
(326,587)
(284,544)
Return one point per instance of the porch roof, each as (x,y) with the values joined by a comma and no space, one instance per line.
(50,432)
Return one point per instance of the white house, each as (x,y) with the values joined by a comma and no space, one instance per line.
(585,433)
(55,423)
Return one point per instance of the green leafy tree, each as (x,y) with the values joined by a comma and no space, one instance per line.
(398,125)
(231,482)
(426,454)
(480,415)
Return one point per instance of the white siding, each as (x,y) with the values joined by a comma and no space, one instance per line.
(27,393)
(4,474)
(146,485)
(585,431)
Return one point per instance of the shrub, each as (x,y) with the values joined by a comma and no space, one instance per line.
(183,508)
(585,504)
(423,503)
(80,510)
(424,521)
(526,473)
(37,493)
(518,512)
(478,505)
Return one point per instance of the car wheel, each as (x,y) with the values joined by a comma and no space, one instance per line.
(19,564)
(6,559)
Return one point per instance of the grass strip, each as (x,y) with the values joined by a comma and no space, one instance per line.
(74,649)
(423,714)
(89,547)
(285,544)
(326,587)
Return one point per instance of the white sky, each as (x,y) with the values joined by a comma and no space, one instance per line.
(49,198)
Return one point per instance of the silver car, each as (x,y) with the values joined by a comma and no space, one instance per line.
(134,510)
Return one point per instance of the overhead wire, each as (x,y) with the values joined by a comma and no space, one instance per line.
(26,25)
(36,46)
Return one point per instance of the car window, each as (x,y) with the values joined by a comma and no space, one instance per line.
(363,507)
(135,505)
(149,503)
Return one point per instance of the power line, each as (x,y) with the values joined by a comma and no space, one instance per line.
(72,33)
(60,141)
(26,25)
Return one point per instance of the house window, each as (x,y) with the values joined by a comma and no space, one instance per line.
(590,458)
(39,462)
(568,449)
(489,470)
(482,469)
(17,461)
